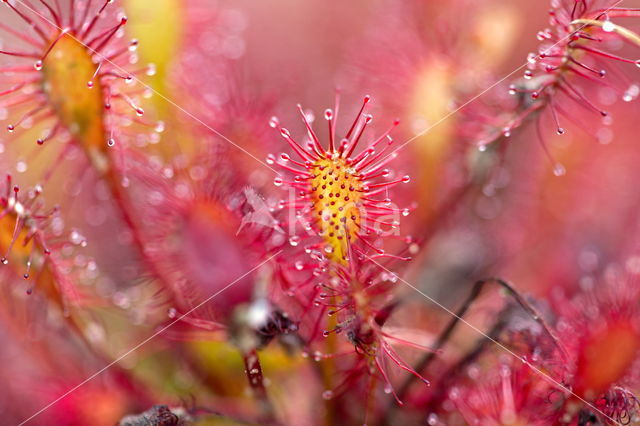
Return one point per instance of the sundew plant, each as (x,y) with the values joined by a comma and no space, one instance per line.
(373,212)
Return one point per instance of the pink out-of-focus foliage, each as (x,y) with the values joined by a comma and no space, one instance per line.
(453,242)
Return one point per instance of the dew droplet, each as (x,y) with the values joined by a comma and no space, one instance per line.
(608,26)
(294,240)
(328,114)
(559,170)
(271,159)
(432,419)
(528,74)
(151,70)
(278,181)
(327,395)
(76,238)
(406,179)
(631,93)
(38,65)
(561,131)
(274,122)
(21,166)
(111,142)
(172,313)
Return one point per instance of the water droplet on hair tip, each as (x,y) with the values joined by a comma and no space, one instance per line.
(631,93)
(294,240)
(327,394)
(608,26)
(559,170)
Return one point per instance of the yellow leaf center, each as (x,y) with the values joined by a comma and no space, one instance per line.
(336,192)
(67,71)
